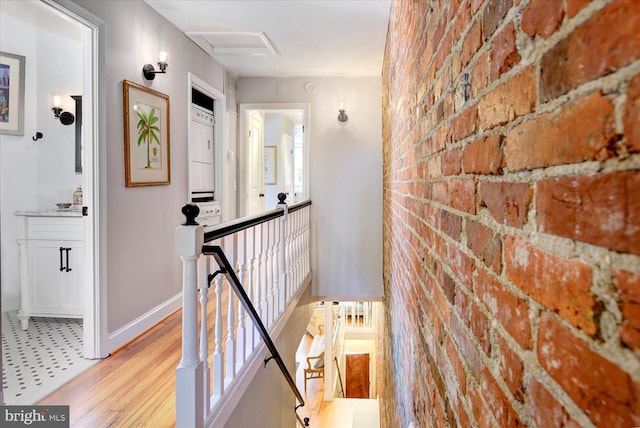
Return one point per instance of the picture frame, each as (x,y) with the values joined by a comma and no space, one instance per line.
(12,93)
(146,136)
(270,165)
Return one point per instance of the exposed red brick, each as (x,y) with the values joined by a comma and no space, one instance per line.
(471,43)
(504,55)
(494,12)
(605,392)
(628,285)
(461,264)
(481,413)
(511,369)
(439,192)
(512,99)
(499,403)
(542,17)
(468,349)
(605,43)
(507,202)
(475,5)
(632,115)
(452,162)
(511,311)
(485,244)
(483,156)
(559,284)
(601,209)
(574,6)
(456,362)
(464,124)
(474,319)
(582,130)
(462,195)
(545,409)
(480,74)
(451,224)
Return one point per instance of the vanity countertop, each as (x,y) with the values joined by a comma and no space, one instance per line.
(50,213)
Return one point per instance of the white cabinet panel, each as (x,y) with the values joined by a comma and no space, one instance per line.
(51,268)
(201,176)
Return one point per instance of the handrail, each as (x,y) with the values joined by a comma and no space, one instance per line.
(233,226)
(226,268)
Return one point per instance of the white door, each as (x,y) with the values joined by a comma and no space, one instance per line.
(287,167)
(255,164)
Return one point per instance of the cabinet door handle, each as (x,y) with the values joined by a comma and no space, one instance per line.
(68,269)
(61,267)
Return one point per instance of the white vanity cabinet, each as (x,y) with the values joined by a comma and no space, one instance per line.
(52,255)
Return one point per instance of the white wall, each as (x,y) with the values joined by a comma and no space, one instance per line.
(142,269)
(36,175)
(345,179)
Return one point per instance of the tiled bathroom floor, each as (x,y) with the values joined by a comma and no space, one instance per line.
(39,360)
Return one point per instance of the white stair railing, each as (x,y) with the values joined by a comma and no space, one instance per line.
(270,256)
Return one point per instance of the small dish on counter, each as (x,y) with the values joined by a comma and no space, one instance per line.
(63,205)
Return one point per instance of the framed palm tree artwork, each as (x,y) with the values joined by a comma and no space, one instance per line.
(146,136)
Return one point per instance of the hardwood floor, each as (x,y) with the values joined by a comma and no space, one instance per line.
(135,386)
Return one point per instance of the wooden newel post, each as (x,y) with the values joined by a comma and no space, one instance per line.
(282,268)
(189,373)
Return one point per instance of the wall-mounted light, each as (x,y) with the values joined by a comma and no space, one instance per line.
(149,71)
(342,115)
(65,117)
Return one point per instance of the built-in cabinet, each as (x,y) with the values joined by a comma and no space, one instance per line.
(201,151)
(52,255)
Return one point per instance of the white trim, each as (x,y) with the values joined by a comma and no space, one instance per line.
(126,334)
(226,405)
(94,174)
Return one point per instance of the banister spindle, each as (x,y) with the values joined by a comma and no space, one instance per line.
(230,352)
(251,251)
(218,354)
(264,293)
(282,244)
(271,270)
(203,285)
(241,249)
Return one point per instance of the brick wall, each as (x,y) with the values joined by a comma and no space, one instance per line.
(511,136)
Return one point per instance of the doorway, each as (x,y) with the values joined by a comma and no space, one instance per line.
(273,155)
(357,375)
(89,329)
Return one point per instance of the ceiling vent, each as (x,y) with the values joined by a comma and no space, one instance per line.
(232,42)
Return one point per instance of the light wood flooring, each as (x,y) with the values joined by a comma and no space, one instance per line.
(135,386)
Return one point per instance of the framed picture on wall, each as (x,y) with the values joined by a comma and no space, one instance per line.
(11,94)
(270,165)
(146,136)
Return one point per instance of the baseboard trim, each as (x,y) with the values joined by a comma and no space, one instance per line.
(135,328)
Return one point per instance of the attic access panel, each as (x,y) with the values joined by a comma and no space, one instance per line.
(232,42)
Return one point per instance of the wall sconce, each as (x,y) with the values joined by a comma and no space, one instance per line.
(163,61)
(65,117)
(342,116)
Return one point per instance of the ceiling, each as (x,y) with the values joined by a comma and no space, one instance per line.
(309,37)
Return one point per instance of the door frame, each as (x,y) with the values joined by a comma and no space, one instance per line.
(242,145)
(95,336)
